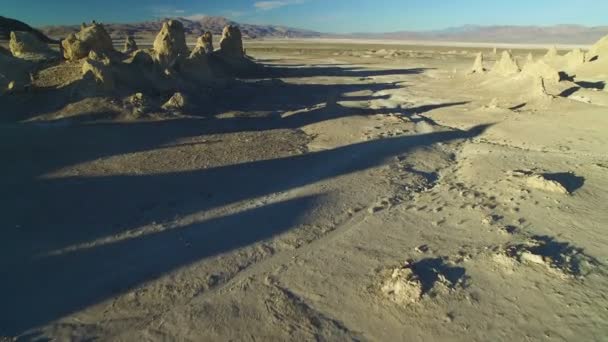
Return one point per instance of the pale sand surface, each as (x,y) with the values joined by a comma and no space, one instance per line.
(351,196)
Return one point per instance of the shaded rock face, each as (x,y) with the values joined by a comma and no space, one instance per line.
(507,65)
(142,58)
(130,45)
(170,43)
(24,44)
(94,37)
(231,44)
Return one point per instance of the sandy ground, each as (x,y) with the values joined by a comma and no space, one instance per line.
(347,197)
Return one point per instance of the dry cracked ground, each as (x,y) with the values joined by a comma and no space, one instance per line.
(350,195)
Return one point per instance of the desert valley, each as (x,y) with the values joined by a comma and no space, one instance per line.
(198,187)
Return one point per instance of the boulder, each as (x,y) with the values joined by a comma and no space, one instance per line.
(507,65)
(231,43)
(478,67)
(177,102)
(170,44)
(130,45)
(27,45)
(94,37)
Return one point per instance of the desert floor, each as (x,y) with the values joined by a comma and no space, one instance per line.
(350,195)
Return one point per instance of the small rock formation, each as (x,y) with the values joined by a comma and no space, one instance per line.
(170,44)
(95,37)
(130,45)
(206,41)
(494,104)
(99,72)
(598,50)
(478,65)
(142,58)
(575,58)
(25,44)
(231,44)
(177,102)
(539,88)
(543,70)
(552,53)
(204,45)
(530,58)
(507,65)
(403,287)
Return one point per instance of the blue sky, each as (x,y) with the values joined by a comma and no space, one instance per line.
(321,15)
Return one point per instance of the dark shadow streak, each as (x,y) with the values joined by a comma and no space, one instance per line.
(51,214)
(47,288)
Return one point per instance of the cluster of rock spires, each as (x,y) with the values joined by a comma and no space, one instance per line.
(552,67)
(168,65)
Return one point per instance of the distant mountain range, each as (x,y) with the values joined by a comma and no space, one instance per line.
(559,34)
(192,26)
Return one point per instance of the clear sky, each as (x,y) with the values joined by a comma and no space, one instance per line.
(320,15)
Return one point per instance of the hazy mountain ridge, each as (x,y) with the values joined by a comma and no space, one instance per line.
(192,26)
(558,34)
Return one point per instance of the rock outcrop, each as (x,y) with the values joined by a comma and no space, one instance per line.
(543,70)
(100,72)
(206,42)
(177,102)
(575,58)
(552,53)
(540,91)
(90,38)
(478,67)
(507,65)
(530,58)
(142,58)
(231,44)
(170,44)
(130,45)
(598,50)
(27,45)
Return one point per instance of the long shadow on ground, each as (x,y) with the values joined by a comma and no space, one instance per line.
(50,214)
